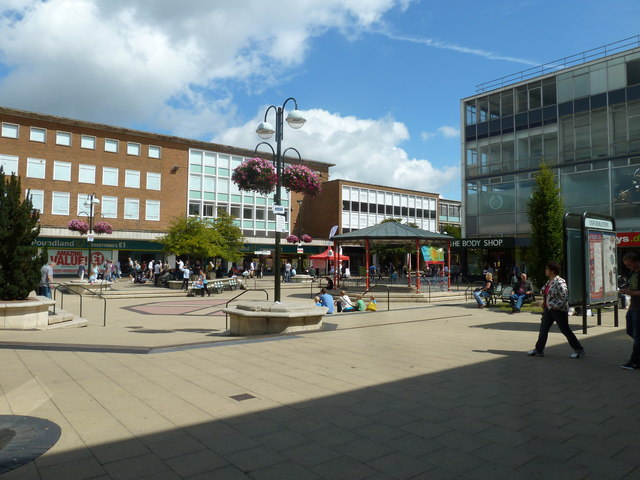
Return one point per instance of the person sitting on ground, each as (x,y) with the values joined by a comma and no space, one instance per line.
(372,306)
(521,291)
(326,300)
(329,283)
(316,300)
(485,292)
(344,302)
(360,306)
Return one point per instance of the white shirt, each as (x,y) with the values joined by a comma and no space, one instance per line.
(180,264)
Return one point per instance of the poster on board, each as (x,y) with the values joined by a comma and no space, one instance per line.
(601,250)
(432,254)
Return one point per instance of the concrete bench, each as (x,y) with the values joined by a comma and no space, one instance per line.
(264,317)
(301,279)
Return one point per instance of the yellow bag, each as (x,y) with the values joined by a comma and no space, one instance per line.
(371,307)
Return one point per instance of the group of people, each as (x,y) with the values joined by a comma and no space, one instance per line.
(555,307)
(343,303)
(108,271)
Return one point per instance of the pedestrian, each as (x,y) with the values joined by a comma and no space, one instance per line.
(157,269)
(287,271)
(521,291)
(81,270)
(185,277)
(485,291)
(555,308)
(326,300)
(632,262)
(46,279)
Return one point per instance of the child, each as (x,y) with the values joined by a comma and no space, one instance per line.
(360,307)
(372,306)
(316,299)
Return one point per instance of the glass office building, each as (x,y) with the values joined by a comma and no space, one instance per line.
(580,115)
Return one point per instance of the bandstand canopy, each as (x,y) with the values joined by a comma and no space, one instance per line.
(390,232)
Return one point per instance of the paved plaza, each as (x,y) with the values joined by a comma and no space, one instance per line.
(424,391)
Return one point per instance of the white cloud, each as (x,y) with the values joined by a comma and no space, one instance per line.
(445,131)
(138,62)
(363,150)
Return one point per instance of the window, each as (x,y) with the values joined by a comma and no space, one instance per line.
(247,212)
(10,130)
(110,176)
(86,173)
(111,145)
(152,210)
(153,181)
(9,164)
(208,210)
(84,208)
(131,208)
(36,167)
(37,199)
(38,135)
(60,203)
(154,152)
(109,207)
(132,178)
(63,138)
(87,141)
(133,148)
(194,208)
(62,171)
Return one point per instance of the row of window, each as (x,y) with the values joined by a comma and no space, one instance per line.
(395,210)
(382,198)
(451,211)
(12,130)
(107,208)
(36,168)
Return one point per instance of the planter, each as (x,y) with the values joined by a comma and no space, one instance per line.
(29,314)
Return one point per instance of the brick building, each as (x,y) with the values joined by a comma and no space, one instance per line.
(142,181)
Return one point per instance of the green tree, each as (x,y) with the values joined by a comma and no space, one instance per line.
(546,211)
(20,262)
(200,239)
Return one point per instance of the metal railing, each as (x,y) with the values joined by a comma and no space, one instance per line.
(59,288)
(561,63)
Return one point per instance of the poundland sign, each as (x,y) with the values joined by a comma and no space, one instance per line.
(498,242)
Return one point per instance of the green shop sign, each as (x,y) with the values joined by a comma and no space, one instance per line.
(98,243)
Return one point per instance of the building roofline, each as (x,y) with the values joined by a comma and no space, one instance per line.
(578,60)
(380,187)
(141,133)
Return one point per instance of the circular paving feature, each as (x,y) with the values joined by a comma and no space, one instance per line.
(23,439)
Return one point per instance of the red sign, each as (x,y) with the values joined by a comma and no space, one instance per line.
(628,239)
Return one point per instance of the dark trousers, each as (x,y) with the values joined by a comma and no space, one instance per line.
(633,330)
(562,319)
(185,284)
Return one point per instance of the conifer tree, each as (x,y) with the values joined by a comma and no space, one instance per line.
(546,211)
(20,262)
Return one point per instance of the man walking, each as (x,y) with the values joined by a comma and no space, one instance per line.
(46,279)
(632,262)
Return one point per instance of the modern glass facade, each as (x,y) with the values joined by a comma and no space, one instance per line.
(211,190)
(582,121)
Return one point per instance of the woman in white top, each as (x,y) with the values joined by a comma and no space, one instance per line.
(344,302)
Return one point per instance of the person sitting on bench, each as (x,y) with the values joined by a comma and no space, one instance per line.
(521,291)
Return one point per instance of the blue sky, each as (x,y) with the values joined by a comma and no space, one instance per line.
(380,81)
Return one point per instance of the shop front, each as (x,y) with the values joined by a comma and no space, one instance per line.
(476,255)
(264,254)
(69,253)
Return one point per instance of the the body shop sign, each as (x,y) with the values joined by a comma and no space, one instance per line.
(67,261)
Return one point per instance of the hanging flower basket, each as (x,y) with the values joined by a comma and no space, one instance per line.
(255,174)
(306,238)
(293,239)
(103,227)
(301,179)
(78,226)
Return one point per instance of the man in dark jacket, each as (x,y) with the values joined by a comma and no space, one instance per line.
(521,291)
(632,262)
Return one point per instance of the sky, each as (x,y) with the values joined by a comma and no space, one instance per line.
(379,81)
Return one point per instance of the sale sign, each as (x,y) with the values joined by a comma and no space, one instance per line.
(68,261)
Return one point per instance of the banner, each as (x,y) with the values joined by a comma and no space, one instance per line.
(67,261)
(432,254)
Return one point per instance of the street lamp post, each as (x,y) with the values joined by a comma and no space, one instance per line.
(265,130)
(89,203)
(300,234)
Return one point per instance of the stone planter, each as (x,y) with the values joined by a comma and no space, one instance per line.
(85,288)
(32,313)
(264,317)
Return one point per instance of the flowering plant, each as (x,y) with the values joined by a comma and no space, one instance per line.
(78,226)
(292,239)
(103,227)
(306,238)
(255,174)
(301,179)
